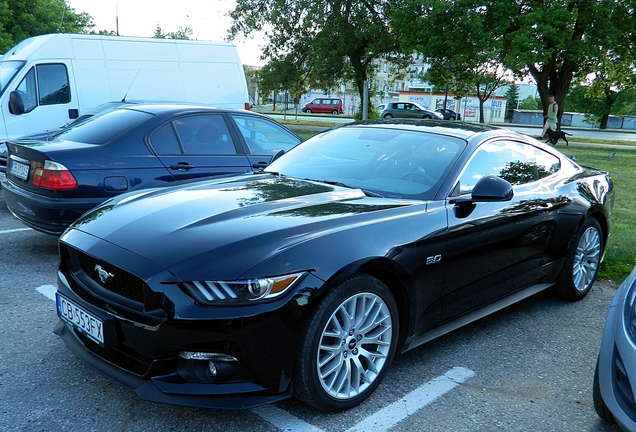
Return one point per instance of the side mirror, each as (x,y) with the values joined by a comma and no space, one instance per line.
(489,188)
(16,105)
(278,154)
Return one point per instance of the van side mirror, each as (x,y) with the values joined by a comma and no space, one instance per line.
(16,105)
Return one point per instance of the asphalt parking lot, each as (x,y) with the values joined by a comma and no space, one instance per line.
(527,368)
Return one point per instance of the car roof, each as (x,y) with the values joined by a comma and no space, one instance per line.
(165,107)
(462,130)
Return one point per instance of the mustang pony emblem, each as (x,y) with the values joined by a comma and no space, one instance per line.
(103,274)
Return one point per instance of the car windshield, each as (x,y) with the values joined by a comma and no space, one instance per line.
(101,129)
(385,161)
(8,69)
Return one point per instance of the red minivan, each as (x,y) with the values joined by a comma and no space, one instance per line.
(325,105)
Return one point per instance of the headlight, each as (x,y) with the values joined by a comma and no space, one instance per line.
(241,291)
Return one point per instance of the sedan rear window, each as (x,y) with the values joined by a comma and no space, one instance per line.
(105,128)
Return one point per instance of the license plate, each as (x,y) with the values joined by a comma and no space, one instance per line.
(19,170)
(82,320)
(3,176)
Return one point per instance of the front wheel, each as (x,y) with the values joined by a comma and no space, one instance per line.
(599,404)
(427,117)
(581,262)
(348,345)
(308,111)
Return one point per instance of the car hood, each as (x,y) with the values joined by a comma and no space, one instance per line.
(228,225)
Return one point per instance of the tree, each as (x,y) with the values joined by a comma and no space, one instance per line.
(431,28)
(512,98)
(21,19)
(554,41)
(336,39)
(530,103)
(182,33)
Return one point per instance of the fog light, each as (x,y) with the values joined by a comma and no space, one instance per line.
(189,355)
(212,368)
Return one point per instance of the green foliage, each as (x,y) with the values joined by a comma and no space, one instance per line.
(182,33)
(619,256)
(512,98)
(372,113)
(530,103)
(328,41)
(21,19)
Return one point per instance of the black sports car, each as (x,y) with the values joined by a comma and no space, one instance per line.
(307,278)
(52,180)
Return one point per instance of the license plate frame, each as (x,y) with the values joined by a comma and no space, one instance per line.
(85,322)
(19,169)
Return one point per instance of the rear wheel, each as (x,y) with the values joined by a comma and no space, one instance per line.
(427,117)
(348,345)
(334,112)
(581,262)
(599,404)
(388,116)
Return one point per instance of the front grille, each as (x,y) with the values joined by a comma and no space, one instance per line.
(625,394)
(119,281)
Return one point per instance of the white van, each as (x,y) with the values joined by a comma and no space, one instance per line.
(48,81)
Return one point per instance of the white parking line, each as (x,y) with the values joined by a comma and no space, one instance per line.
(381,420)
(391,415)
(284,420)
(15,230)
(47,291)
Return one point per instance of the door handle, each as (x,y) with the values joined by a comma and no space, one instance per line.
(182,166)
(545,207)
(261,164)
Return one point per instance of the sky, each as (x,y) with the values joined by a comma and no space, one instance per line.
(207,18)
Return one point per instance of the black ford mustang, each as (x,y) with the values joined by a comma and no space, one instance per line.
(307,278)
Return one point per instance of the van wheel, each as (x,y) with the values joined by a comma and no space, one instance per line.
(348,345)
(308,111)
(334,112)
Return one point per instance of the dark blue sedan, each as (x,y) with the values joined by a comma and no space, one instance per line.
(49,184)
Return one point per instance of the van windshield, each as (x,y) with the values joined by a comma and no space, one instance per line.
(8,69)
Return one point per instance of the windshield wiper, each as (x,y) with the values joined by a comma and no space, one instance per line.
(365,191)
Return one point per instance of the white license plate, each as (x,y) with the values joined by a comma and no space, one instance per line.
(19,170)
(87,323)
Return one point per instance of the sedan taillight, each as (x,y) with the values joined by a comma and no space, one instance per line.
(54,176)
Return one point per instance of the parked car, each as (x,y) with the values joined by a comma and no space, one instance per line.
(449,114)
(307,278)
(613,388)
(325,106)
(50,183)
(409,110)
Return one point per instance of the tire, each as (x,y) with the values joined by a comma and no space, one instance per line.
(581,262)
(342,339)
(428,117)
(388,116)
(599,404)
(308,111)
(334,112)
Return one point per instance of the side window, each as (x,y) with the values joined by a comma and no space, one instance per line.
(264,137)
(164,141)
(28,92)
(53,84)
(515,162)
(204,135)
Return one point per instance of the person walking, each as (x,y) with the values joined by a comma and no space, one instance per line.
(551,119)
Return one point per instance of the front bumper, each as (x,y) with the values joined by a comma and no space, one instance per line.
(45,214)
(617,363)
(142,350)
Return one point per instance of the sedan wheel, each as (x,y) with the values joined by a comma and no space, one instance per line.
(348,345)
(582,261)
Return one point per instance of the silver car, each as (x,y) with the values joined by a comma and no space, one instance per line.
(615,375)
(409,110)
